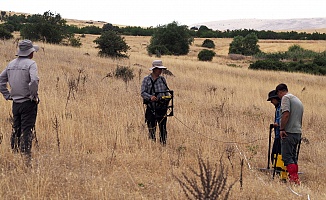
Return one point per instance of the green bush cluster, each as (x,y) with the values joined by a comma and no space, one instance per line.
(295,52)
(208,44)
(296,59)
(206,55)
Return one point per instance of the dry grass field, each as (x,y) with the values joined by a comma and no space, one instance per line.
(93,144)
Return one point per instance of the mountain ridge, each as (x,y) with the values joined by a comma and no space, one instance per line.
(266,24)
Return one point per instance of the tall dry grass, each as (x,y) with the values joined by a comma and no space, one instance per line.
(94,145)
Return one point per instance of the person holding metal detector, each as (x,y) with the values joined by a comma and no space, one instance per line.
(22,76)
(156,96)
(276,157)
(290,130)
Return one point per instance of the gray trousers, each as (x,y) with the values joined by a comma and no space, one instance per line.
(289,148)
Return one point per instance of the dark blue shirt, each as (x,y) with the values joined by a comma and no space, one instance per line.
(277,120)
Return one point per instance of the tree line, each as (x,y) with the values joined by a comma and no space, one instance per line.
(17,22)
(169,39)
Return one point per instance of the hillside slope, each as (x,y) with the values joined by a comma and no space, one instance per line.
(267,24)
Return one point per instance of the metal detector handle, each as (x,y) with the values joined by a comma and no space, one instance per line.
(271,126)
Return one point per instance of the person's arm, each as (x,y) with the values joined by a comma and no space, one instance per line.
(284,121)
(33,85)
(144,90)
(3,85)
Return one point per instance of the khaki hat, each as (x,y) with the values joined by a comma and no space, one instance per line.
(157,64)
(26,47)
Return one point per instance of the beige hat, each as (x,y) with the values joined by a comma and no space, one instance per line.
(26,47)
(157,64)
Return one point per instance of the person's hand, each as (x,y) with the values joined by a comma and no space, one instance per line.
(275,125)
(153,98)
(283,134)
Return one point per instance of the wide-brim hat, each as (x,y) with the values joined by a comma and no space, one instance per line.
(26,47)
(272,95)
(157,64)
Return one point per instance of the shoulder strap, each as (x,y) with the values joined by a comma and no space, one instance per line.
(165,83)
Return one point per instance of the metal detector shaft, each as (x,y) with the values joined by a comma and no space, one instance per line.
(275,159)
(269,145)
(298,150)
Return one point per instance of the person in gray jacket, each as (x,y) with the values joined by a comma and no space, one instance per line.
(22,76)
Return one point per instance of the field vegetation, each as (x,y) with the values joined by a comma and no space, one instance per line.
(93,142)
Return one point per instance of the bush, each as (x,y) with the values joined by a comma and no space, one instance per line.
(269,65)
(320,59)
(111,45)
(208,44)
(75,42)
(158,50)
(206,55)
(300,66)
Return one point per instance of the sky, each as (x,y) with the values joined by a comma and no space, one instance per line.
(148,13)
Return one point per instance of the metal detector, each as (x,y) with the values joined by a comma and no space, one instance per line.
(271,126)
(168,101)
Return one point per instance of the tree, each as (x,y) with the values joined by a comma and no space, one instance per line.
(110,27)
(245,45)
(3,14)
(4,33)
(250,44)
(174,39)
(111,45)
(236,46)
(48,26)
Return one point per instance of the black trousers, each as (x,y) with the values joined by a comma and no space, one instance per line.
(24,116)
(154,118)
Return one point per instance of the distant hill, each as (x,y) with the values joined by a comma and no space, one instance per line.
(266,24)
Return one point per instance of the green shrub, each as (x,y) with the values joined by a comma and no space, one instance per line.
(75,42)
(206,55)
(208,44)
(320,59)
(158,50)
(275,65)
(269,65)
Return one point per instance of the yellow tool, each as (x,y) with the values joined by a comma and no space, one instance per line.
(279,166)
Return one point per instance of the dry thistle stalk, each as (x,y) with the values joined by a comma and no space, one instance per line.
(55,125)
(208,182)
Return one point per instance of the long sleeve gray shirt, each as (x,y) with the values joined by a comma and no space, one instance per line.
(22,76)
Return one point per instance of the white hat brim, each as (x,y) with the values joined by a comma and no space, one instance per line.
(27,52)
(160,67)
